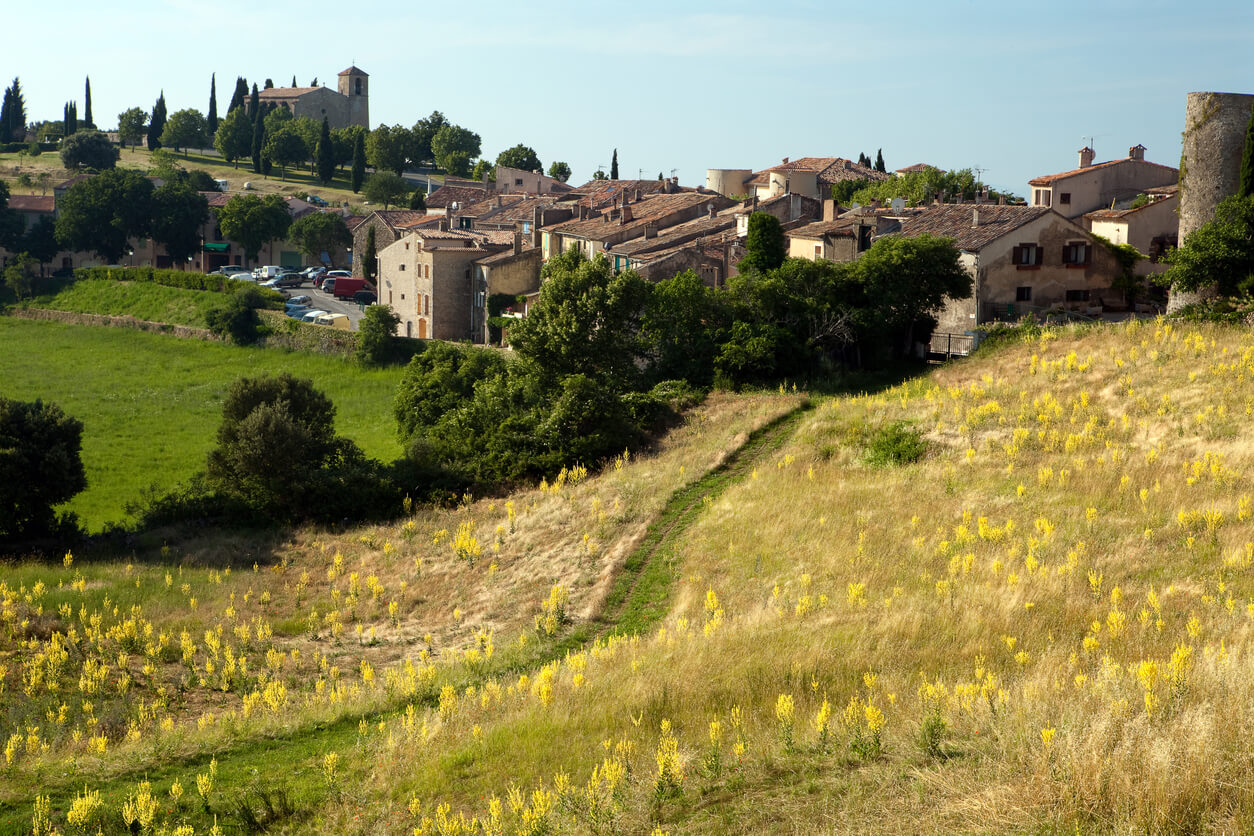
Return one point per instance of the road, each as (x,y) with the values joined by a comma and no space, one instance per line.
(326,302)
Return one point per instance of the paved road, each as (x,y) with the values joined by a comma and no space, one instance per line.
(326,302)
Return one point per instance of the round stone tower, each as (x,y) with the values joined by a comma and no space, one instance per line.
(1210,165)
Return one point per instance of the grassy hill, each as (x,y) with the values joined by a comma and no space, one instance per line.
(142,300)
(151,404)
(1040,625)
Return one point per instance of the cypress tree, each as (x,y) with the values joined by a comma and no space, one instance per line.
(254,103)
(269,84)
(156,123)
(87,120)
(326,154)
(359,161)
(614,165)
(12,114)
(1246,187)
(369,259)
(259,137)
(879,160)
(212,118)
(293,80)
(240,94)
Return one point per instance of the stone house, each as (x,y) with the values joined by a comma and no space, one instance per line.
(524,213)
(596,231)
(837,237)
(520,181)
(427,277)
(513,272)
(1095,186)
(809,176)
(1022,259)
(348,105)
(1151,227)
(455,197)
(388,225)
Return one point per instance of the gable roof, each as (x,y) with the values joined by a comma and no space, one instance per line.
(596,193)
(33,203)
(462,195)
(828,170)
(910,169)
(353,70)
(287,92)
(1117,214)
(1051,179)
(644,211)
(956,221)
(397,219)
(839,228)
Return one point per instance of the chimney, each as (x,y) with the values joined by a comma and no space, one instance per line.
(498,201)
(444,224)
(650,231)
(1001,201)
(1136,152)
(846,164)
(829,210)
(637,197)
(1086,156)
(517,242)
(709,209)
(626,215)
(583,212)
(794,207)
(975,217)
(785,160)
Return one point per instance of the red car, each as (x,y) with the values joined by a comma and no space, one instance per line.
(333,274)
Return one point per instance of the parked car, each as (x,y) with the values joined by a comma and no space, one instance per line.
(291,280)
(273,284)
(299,300)
(334,320)
(328,284)
(310,316)
(316,201)
(270,271)
(365,297)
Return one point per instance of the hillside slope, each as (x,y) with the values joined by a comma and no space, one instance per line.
(1042,625)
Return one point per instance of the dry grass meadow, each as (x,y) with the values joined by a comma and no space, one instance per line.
(1042,626)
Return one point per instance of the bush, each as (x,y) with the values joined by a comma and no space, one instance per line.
(238,318)
(895,444)
(185,279)
(376,334)
(40,466)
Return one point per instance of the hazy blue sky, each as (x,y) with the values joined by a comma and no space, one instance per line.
(1010,86)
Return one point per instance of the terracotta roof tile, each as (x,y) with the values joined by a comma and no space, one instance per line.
(828,170)
(442,197)
(956,221)
(285,92)
(1050,179)
(646,210)
(841,227)
(32,203)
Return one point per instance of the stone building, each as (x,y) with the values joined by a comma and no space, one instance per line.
(1151,226)
(1095,186)
(427,277)
(348,105)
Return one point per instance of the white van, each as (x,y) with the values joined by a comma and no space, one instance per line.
(334,320)
(270,271)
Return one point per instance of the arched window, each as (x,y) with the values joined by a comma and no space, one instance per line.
(358,86)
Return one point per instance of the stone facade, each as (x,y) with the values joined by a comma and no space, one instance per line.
(349,105)
(427,278)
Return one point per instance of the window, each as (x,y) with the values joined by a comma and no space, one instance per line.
(1077,295)
(818,251)
(1023,294)
(526,227)
(464,222)
(1043,197)
(1065,198)
(1026,256)
(1076,254)
(518,181)
(402,265)
(358,86)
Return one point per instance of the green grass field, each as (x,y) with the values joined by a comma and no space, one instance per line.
(151,302)
(150,404)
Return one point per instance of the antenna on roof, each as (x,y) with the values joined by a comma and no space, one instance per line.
(1088,141)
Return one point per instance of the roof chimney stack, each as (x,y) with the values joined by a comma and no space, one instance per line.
(1086,156)
(1136,152)
(975,217)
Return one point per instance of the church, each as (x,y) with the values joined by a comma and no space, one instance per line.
(349,106)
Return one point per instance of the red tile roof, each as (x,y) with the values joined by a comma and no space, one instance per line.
(351,70)
(285,92)
(910,169)
(442,197)
(828,170)
(956,221)
(32,203)
(646,210)
(841,227)
(1050,179)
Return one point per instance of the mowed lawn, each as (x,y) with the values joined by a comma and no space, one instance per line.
(151,404)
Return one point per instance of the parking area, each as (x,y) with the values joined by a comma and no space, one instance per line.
(327,302)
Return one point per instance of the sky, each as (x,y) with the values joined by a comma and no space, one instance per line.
(1012,88)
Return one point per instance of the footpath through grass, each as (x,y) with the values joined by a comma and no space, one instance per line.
(151,404)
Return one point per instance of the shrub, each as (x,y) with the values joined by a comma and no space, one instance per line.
(895,444)
(40,466)
(376,334)
(238,318)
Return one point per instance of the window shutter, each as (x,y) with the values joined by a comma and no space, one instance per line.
(1017,255)
(1066,253)
(1040,255)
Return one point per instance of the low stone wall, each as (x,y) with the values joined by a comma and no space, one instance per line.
(72,318)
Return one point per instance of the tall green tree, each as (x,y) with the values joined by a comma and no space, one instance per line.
(13,114)
(254,103)
(19,275)
(359,162)
(103,213)
(386,188)
(179,212)
(559,171)
(88,149)
(87,120)
(212,118)
(131,125)
(71,119)
(375,334)
(234,138)
(454,147)
(156,123)
(389,147)
(614,165)
(764,243)
(259,137)
(285,147)
(1246,186)
(483,170)
(252,221)
(370,258)
(1218,254)
(185,129)
(424,131)
(40,465)
(240,96)
(520,156)
(320,233)
(326,154)
(41,241)
(879,160)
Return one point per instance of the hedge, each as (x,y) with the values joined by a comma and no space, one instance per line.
(185,279)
